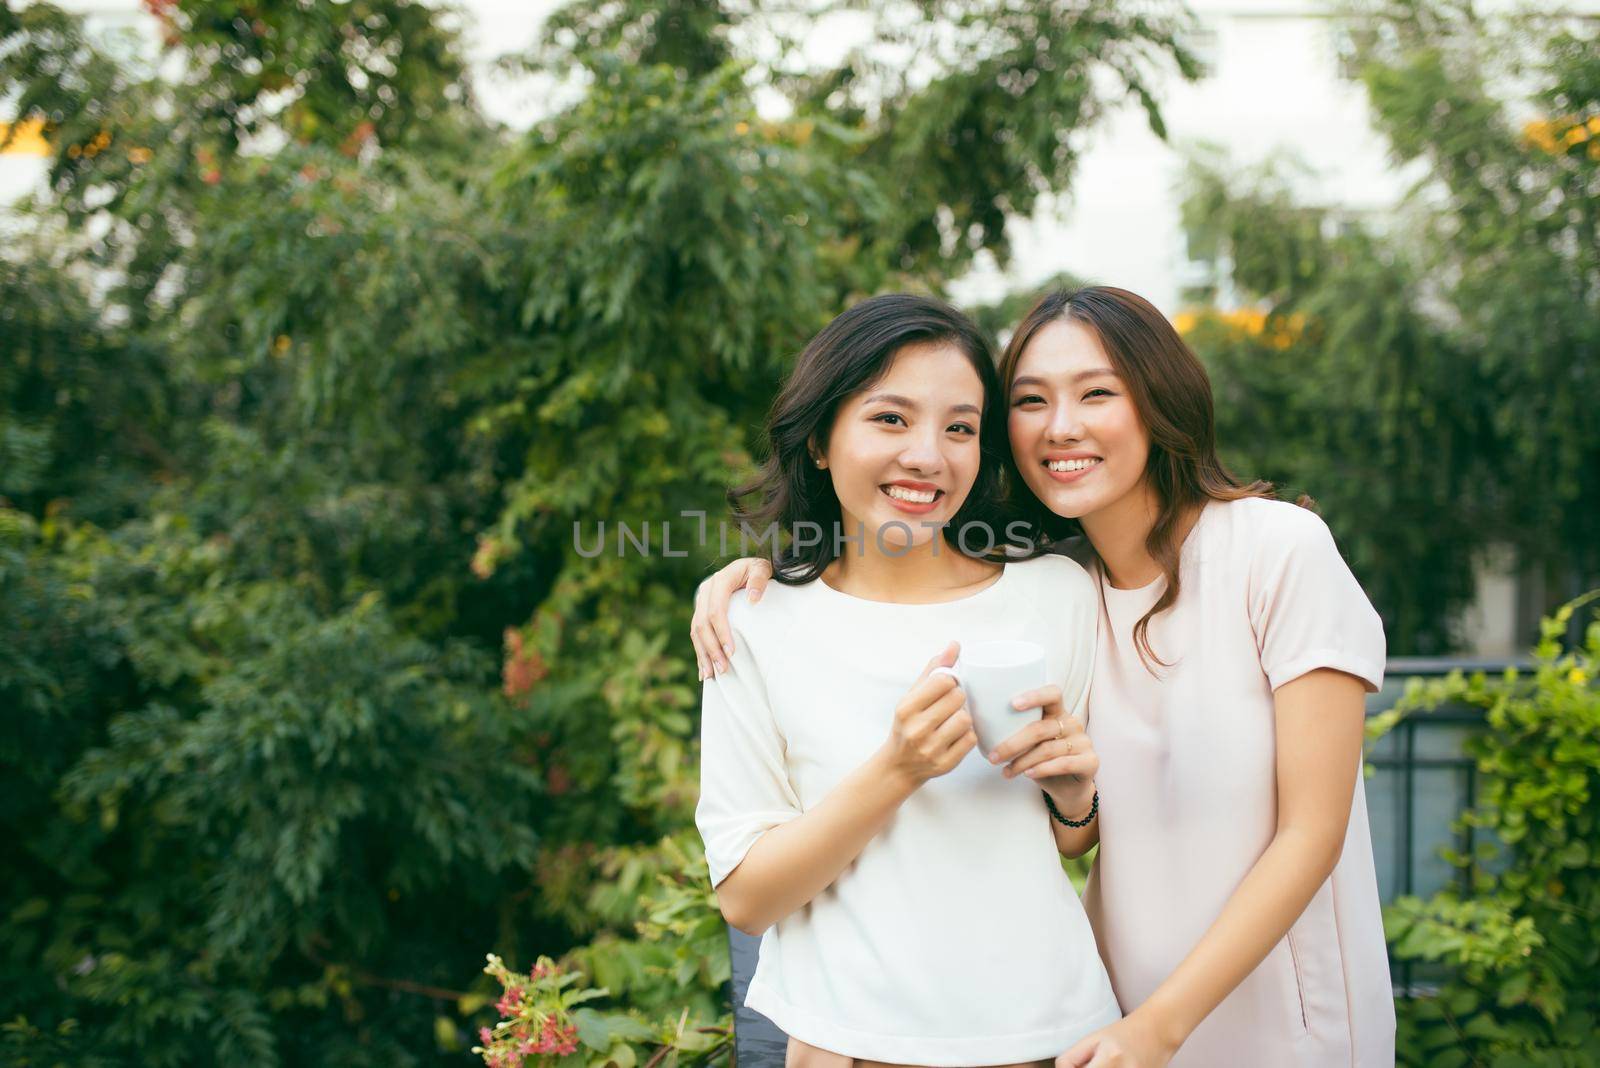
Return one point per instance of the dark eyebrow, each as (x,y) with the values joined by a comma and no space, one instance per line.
(1034,380)
(907,402)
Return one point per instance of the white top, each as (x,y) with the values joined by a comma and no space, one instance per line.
(955,938)
(1188,788)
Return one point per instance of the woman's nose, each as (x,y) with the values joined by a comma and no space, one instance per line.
(923,454)
(1065,424)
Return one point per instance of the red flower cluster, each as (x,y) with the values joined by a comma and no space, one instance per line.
(521,669)
(509,1002)
(163,12)
(351,146)
(551,1039)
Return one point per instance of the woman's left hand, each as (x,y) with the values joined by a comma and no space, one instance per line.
(1055,752)
(1128,1043)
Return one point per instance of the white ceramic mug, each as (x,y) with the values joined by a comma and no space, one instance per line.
(992,673)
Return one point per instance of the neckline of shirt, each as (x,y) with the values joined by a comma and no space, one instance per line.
(1135,593)
(829,591)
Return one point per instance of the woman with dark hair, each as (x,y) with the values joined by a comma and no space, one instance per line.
(1233,896)
(911,896)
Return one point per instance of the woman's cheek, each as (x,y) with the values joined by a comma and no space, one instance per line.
(1020,434)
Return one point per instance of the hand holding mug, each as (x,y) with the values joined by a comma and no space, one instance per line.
(932,731)
(1055,752)
(991,673)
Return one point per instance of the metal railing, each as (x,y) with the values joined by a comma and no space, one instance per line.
(1422,780)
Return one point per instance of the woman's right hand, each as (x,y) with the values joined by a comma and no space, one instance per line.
(932,730)
(709,630)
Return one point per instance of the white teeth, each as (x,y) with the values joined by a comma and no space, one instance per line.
(900,493)
(1071,465)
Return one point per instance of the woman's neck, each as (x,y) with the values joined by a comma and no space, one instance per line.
(920,573)
(1119,531)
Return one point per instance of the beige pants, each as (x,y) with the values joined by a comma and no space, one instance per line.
(801,1055)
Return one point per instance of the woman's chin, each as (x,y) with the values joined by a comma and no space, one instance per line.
(893,543)
(901,534)
(1065,501)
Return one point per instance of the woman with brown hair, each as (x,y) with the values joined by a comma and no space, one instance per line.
(1233,897)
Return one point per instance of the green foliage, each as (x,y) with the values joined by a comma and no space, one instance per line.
(994,129)
(308,372)
(233,796)
(1344,389)
(1426,379)
(66,382)
(1523,952)
(335,74)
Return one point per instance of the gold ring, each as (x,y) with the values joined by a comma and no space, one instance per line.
(1061,730)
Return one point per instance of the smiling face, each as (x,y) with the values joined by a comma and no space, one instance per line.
(906,447)
(1075,433)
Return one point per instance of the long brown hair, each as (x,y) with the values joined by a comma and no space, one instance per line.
(1172,394)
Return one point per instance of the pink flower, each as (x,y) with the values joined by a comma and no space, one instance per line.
(484,559)
(522,668)
(508,1004)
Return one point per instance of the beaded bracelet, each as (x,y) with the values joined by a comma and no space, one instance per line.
(1094,810)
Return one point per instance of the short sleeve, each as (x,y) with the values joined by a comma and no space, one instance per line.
(1307,609)
(744,785)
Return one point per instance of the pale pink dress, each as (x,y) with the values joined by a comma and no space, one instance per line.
(1188,789)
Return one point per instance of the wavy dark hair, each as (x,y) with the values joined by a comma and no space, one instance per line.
(850,354)
(1172,394)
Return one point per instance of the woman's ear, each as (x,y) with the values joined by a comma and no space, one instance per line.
(815,453)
